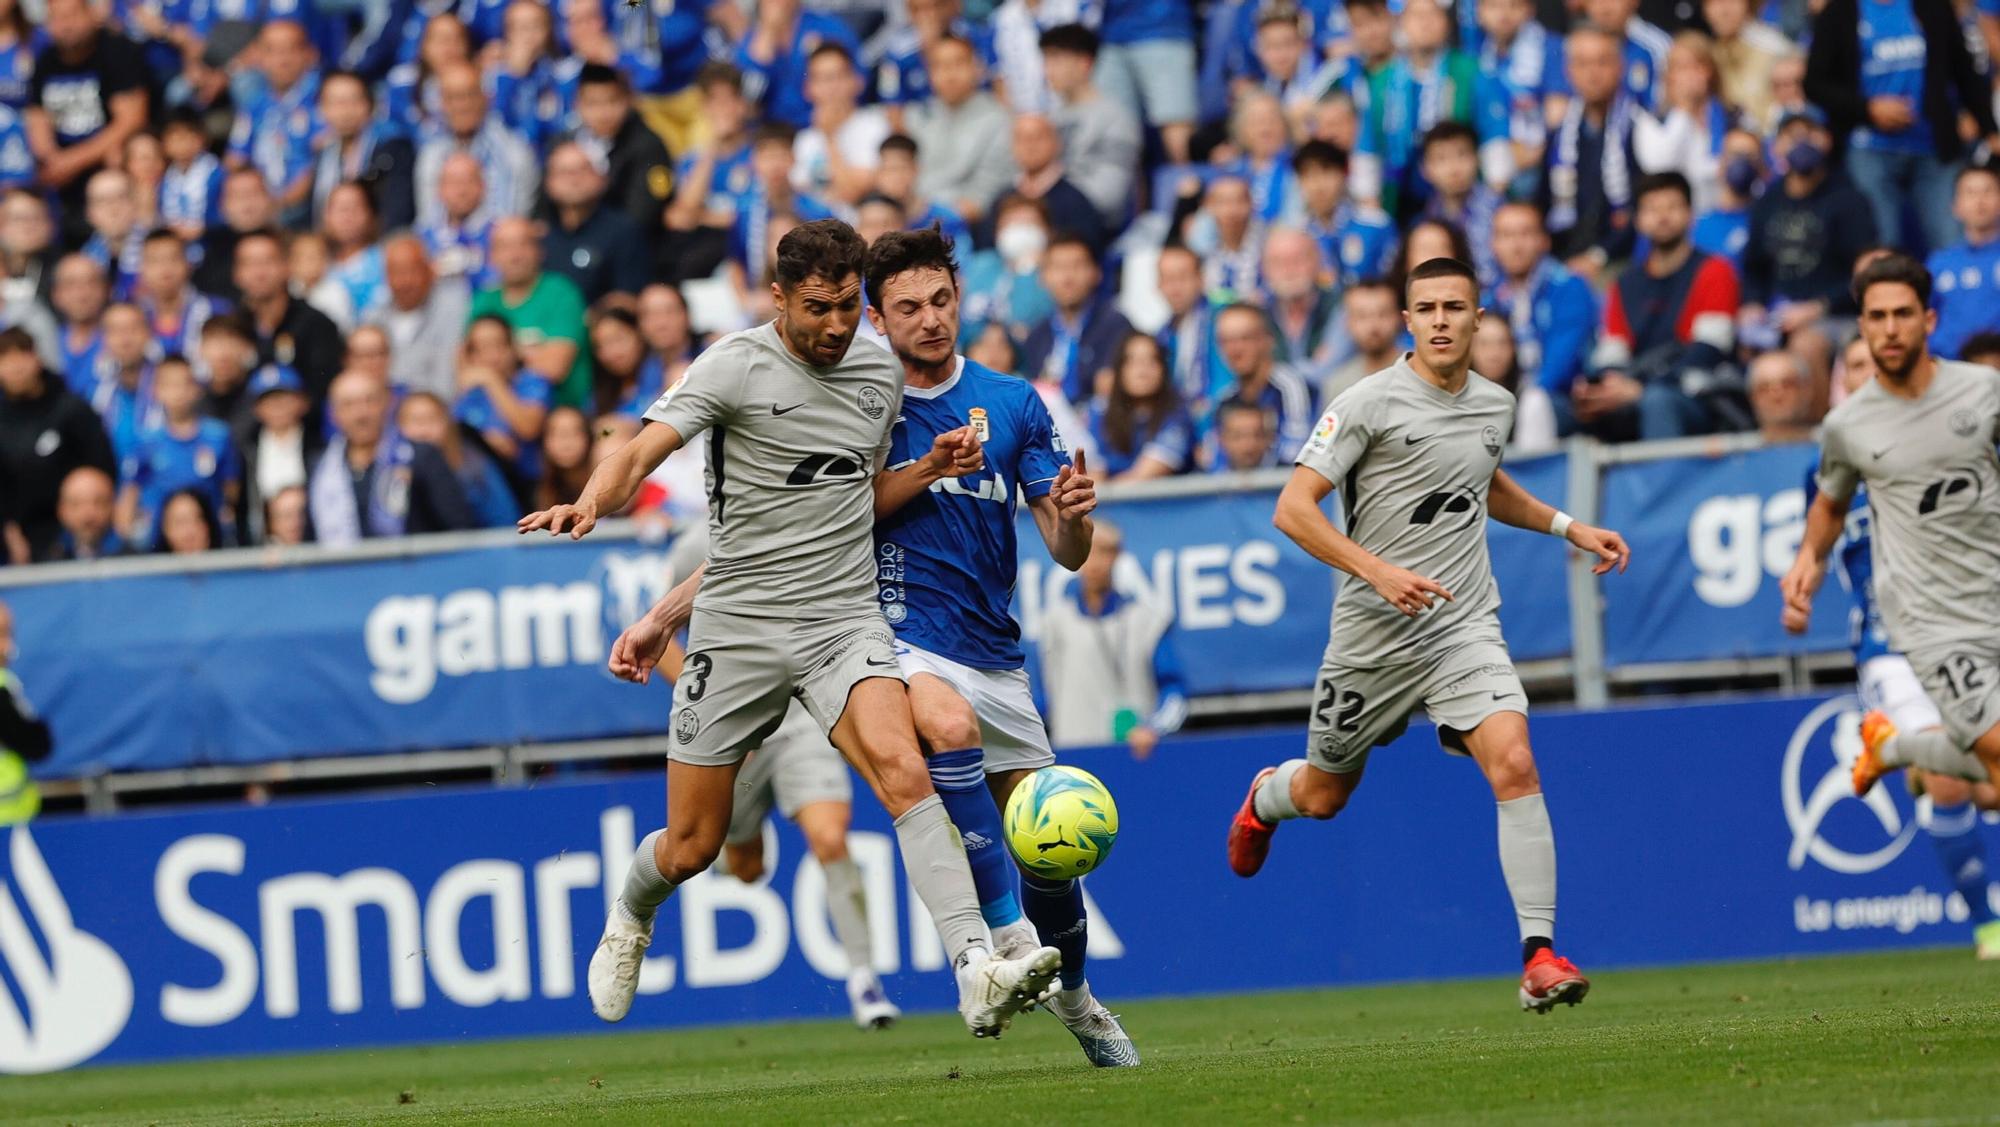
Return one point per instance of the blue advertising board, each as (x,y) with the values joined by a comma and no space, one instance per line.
(471,914)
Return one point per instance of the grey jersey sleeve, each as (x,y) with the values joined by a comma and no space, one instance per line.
(708,393)
(1341,436)
(1838,475)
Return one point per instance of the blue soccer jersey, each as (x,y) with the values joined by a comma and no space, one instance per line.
(945,562)
(163,463)
(1866,634)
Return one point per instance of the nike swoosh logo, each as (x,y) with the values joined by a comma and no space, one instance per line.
(1877,454)
(1409,441)
(1502,696)
(873,664)
(777,410)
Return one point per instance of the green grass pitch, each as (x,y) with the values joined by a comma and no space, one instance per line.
(1880,1038)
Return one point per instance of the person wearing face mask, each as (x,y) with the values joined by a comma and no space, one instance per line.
(1805,233)
(1724,228)
(1003,286)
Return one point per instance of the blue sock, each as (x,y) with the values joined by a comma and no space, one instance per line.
(960,779)
(1955,835)
(1055,907)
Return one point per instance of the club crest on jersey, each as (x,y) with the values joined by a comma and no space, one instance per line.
(872,403)
(1964,421)
(1490,437)
(976,418)
(686,725)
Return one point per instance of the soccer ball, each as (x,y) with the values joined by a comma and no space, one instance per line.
(1061,822)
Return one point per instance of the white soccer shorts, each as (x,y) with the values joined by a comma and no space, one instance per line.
(1889,683)
(1010,728)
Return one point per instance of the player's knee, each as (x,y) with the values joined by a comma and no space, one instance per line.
(689,853)
(949,728)
(901,779)
(827,843)
(1319,795)
(1512,772)
(746,861)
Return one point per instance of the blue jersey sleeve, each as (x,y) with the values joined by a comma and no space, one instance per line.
(1170,712)
(1043,452)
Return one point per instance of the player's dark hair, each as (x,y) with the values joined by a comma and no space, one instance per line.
(1070,39)
(1071,239)
(1319,154)
(899,143)
(14,339)
(898,251)
(1668,181)
(1985,344)
(1446,132)
(597,74)
(831,48)
(1895,268)
(826,249)
(1440,268)
(338,74)
(1130,421)
(773,133)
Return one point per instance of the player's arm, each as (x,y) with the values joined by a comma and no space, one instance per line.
(611,484)
(1300,517)
(1826,518)
(1063,514)
(954,453)
(1510,504)
(649,643)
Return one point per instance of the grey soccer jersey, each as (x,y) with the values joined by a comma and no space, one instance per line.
(791,454)
(1934,495)
(1413,464)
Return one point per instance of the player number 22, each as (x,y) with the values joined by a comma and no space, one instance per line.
(1961,675)
(698,666)
(1351,703)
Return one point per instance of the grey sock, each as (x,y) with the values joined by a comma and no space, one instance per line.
(1932,750)
(1528,861)
(935,859)
(645,888)
(848,905)
(1273,803)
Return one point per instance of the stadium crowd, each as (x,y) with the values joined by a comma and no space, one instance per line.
(279,271)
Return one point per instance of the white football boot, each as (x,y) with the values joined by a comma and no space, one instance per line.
(614,966)
(1105,1043)
(991,990)
(872,1007)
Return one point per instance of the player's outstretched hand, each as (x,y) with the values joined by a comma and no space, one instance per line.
(1406,590)
(1074,491)
(577,520)
(638,650)
(1799,586)
(1609,547)
(956,453)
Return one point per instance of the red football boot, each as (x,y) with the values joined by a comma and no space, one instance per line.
(1551,979)
(1876,729)
(1249,835)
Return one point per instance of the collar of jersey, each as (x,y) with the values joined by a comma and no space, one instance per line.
(957,370)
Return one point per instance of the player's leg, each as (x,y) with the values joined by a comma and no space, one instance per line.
(957,765)
(824,824)
(856,693)
(1953,827)
(1903,727)
(751,802)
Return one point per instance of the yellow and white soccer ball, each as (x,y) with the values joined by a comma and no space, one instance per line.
(1060,822)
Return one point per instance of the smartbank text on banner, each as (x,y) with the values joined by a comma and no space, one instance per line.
(281,929)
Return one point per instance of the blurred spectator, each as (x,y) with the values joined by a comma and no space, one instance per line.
(1256,377)
(710,178)
(1428,82)
(659,47)
(544,310)
(373,482)
(770,197)
(19,40)
(1805,233)
(80,296)
(87,96)
(775,58)
(423,417)
(1643,47)
(1494,356)
(144,161)
(1107,667)
(531,74)
(1747,52)
(1427,239)
(671,343)
(639,178)
(501,399)
(1672,320)
(1079,339)
(368,353)
(1981,348)
(1587,182)
(289,331)
(1894,77)
(1782,395)
(834,157)
(1189,334)
(1264,142)
(1243,438)
(1305,313)
(904,73)
(1100,137)
(1788,88)
(123,394)
(1003,285)
(1374,312)
(1552,312)
(187,525)
(1450,161)
(414,89)
(1147,62)
(566,458)
(1290,69)
(460,241)
(1354,240)
(1724,228)
(1685,133)
(423,315)
(505,160)
(45,433)
(1525,59)
(590,242)
(185,450)
(279,450)
(174,309)
(84,510)
(287,521)
(358,149)
(246,206)
(877,215)
(1227,234)
(111,213)
(897,177)
(1139,429)
(627,378)
(995,349)
(278,123)
(1043,176)
(227,354)
(1017,49)
(26,248)
(1967,294)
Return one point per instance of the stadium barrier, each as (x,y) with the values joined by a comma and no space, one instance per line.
(486,640)
(466,914)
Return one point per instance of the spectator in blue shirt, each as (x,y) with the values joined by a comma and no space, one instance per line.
(771,196)
(412,99)
(186,450)
(17,163)
(900,77)
(1553,312)
(111,213)
(1724,229)
(508,164)
(712,179)
(1243,333)
(502,399)
(1355,240)
(1139,429)
(278,126)
(897,176)
(1075,347)
(460,239)
(175,310)
(19,41)
(773,57)
(1147,62)
(423,417)
(191,189)
(1244,440)
(1003,283)
(1449,156)
(1526,58)
(1189,334)
(1642,47)
(79,297)
(532,77)
(1966,291)
(123,397)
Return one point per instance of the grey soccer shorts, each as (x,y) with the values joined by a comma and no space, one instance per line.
(1357,709)
(1963,680)
(795,767)
(742,673)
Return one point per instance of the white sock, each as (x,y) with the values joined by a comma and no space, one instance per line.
(1528,861)
(1073,1003)
(848,905)
(935,859)
(1932,750)
(1016,934)
(1273,803)
(645,889)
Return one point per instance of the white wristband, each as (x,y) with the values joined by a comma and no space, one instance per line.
(1559,524)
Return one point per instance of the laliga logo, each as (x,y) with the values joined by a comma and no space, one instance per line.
(78,996)
(1805,813)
